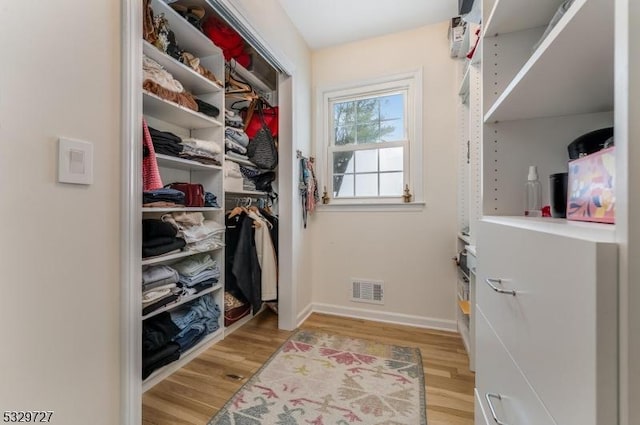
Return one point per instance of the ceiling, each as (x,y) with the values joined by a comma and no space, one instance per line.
(325,23)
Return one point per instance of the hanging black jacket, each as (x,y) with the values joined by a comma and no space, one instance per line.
(242,260)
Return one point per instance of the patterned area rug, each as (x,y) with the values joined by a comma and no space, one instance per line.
(322,379)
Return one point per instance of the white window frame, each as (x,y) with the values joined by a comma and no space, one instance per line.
(411,83)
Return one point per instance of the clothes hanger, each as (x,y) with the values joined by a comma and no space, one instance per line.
(236,211)
(235,85)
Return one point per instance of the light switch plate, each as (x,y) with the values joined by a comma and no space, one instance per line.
(75,161)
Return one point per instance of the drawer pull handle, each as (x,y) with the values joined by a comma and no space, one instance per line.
(493,411)
(490,282)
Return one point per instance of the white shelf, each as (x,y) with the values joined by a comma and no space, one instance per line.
(178,209)
(464,238)
(249,77)
(177,255)
(188,37)
(182,300)
(164,372)
(173,113)
(471,249)
(597,232)
(245,192)
(570,73)
(516,15)
(190,79)
(184,164)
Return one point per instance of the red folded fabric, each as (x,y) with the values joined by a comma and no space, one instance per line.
(228,40)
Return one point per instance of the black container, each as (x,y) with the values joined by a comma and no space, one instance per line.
(558,194)
(589,143)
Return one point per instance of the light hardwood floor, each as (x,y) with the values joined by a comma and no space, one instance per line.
(196,392)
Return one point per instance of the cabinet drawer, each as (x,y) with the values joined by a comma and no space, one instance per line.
(560,326)
(480,415)
(497,374)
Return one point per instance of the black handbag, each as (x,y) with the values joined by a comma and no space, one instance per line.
(262,149)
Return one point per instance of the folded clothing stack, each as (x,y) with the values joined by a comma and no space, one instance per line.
(204,151)
(159,238)
(198,273)
(211,200)
(166,336)
(165,143)
(237,135)
(248,184)
(161,83)
(199,234)
(232,176)
(195,320)
(163,198)
(162,285)
(158,348)
(232,119)
(248,174)
(156,276)
(236,142)
(160,296)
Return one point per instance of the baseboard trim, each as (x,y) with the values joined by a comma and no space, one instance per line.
(304,314)
(386,317)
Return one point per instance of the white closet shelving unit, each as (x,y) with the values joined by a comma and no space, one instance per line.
(546,350)
(468,188)
(178,119)
(168,116)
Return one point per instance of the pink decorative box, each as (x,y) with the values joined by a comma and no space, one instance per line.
(591,187)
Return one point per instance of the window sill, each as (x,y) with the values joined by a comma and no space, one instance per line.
(372,207)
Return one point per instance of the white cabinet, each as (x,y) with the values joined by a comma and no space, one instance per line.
(503,391)
(559,330)
(550,300)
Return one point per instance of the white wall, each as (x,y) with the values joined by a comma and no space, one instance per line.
(60,75)
(410,250)
(272,23)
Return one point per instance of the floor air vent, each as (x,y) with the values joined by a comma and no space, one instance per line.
(367,291)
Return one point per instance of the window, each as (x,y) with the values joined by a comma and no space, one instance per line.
(369,140)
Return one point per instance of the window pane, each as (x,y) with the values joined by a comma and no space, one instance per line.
(391,184)
(345,135)
(344,113)
(343,186)
(342,162)
(368,110)
(366,184)
(369,120)
(391,159)
(392,107)
(392,130)
(368,133)
(367,161)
